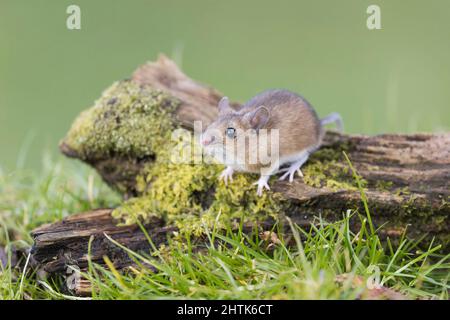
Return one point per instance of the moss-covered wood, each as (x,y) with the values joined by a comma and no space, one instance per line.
(126,137)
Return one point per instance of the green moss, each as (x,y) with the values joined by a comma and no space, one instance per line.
(329,174)
(402,191)
(128,120)
(327,168)
(383,185)
(192,198)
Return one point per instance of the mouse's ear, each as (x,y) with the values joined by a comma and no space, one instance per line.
(258,118)
(224,107)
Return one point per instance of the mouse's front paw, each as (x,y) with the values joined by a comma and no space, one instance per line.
(262,184)
(227,174)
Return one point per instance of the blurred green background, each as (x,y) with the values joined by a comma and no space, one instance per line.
(392,80)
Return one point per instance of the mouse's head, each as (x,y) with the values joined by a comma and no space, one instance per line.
(232,125)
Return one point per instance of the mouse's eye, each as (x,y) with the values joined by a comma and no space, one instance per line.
(230,132)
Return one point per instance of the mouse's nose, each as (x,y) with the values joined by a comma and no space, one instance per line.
(206,141)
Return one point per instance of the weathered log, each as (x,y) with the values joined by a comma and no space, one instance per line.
(65,243)
(406,177)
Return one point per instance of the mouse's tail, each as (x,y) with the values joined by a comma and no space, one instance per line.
(333,118)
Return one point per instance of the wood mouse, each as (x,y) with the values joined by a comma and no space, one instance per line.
(298,129)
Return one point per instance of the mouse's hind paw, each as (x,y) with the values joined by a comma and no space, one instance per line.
(294,168)
(227,174)
(290,173)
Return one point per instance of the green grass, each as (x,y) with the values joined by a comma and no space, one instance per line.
(231,264)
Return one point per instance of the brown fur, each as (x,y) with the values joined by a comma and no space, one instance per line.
(297,122)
